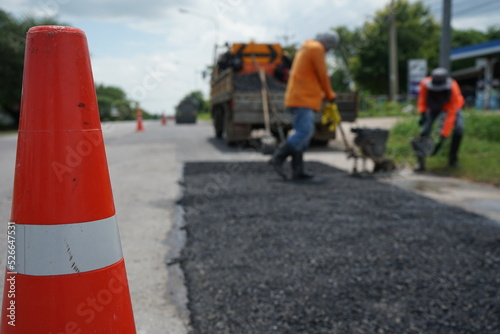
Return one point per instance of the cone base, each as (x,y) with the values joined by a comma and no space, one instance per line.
(90,302)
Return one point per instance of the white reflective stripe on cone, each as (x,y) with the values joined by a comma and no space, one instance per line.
(46,250)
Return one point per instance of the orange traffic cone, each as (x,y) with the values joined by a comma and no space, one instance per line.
(65,270)
(163,119)
(139,119)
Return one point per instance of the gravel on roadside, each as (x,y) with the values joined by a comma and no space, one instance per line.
(339,255)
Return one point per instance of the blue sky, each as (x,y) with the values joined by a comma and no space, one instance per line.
(156,53)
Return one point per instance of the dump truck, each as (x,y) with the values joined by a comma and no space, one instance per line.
(236,94)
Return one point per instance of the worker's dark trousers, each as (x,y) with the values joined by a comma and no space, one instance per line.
(456,137)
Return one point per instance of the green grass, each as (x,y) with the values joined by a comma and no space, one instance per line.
(206,116)
(7,132)
(371,107)
(479,156)
(383,111)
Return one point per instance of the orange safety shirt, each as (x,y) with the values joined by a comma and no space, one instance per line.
(309,83)
(451,108)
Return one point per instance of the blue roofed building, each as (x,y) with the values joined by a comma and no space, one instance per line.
(480,83)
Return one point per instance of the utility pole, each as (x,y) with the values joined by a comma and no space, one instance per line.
(444,56)
(393,55)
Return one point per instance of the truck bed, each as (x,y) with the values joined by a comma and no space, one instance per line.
(236,104)
(244,92)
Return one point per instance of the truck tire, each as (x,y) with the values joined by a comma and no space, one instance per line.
(319,142)
(218,119)
(228,131)
(234,133)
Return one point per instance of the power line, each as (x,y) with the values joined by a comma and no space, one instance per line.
(439,3)
(476,7)
(436,6)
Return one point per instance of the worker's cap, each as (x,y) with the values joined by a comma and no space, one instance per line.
(440,80)
(329,39)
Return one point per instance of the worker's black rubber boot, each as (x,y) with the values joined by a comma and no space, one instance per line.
(298,172)
(454,146)
(279,158)
(420,164)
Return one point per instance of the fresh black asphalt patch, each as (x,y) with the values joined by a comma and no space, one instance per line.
(344,255)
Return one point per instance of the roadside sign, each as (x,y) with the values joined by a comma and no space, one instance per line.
(417,70)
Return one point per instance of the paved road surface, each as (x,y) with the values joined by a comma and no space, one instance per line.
(340,255)
(145,168)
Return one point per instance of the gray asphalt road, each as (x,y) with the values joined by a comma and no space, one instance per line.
(145,168)
(336,255)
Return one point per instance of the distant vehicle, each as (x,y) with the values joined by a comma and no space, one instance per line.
(187,111)
(236,97)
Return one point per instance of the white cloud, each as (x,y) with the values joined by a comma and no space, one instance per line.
(477,22)
(132,40)
(156,81)
(107,10)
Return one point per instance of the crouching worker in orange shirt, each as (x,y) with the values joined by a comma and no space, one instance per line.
(307,87)
(440,98)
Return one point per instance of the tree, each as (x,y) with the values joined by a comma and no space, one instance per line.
(467,37)
(113,103)
(12,44)
(290,51)
(203,105)
(363,52)
(341,78)
(493,32)
(418,37)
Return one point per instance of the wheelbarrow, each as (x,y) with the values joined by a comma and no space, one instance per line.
(371,144)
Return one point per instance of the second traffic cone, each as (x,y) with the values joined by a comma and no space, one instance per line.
(139,120)
(65,269)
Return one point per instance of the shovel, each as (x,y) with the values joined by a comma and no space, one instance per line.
(268,141)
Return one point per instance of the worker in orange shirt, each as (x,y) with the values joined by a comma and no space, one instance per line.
(440,98)
(308,86)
